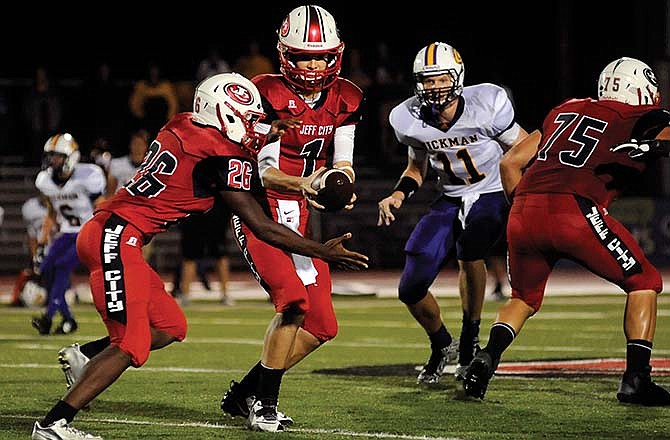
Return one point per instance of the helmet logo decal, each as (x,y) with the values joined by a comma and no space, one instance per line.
(285,27)
(649,74)
(314,29)
(239,93)
(457,57)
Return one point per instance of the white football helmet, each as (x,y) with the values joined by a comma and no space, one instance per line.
(232,104)
(33,295)
(308,31)
(629,81)
(65,145)
(438,59)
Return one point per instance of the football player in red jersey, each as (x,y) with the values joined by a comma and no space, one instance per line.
(329,107)
(196,157)
(559,210)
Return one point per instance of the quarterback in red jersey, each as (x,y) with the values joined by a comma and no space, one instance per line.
(195,157)
(329,107)
(559,210)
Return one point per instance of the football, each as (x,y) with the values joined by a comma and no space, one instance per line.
(335,189)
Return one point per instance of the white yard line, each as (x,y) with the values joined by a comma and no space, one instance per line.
(206,425)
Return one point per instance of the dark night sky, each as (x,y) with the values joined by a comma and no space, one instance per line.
(541,52)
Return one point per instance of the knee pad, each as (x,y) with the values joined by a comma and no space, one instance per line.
(324,328)
(533,300)
(294,313)
(412,290)
(179,329)
(649,279)
(137,350)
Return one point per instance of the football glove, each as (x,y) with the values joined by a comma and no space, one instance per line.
(644,148)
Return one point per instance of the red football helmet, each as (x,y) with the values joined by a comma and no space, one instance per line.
(309,31)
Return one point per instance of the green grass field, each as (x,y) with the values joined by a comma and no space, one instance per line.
(361,385)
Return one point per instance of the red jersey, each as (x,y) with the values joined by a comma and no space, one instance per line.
(184,168)
(306,149)
(574,156)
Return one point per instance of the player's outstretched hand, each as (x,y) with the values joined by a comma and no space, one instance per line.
(350,206)
(385,214)
(279,127)
(343,257)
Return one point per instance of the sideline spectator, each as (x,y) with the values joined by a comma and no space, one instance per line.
(43,114)
(212,64)
(106,113)
(253,62)
(153,100)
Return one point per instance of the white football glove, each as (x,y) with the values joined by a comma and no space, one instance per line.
(639,149)
(634,148)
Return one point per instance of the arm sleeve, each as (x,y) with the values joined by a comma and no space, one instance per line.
(268,157)
(503,126)
(344,144)
(97,182)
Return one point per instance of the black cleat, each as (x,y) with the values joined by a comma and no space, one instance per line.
(467,350)
(42,324)
(236,402)
(637,388)
(477,375)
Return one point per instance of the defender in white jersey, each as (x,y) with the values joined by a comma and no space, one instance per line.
(71,190)
(26,291)
(122,169)
(462,133)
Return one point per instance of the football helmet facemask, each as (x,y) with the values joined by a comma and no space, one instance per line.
(434,60)
(629,81)
(232,104)
(309,32)
(61,154)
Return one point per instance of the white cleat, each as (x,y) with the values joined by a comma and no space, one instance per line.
(59,430)
(72,362)
(263,417)
(432,372)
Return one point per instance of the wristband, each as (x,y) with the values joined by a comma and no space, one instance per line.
(407,186)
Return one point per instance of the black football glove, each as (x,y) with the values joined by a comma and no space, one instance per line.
(642,149)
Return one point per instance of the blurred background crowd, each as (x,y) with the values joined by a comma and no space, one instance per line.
(113,81)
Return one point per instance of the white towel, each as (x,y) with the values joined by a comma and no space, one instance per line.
(288,214)
(468,201)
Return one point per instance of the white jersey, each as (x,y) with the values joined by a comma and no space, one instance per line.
(72,201)
(33,213)
(123,170)
(467,155)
